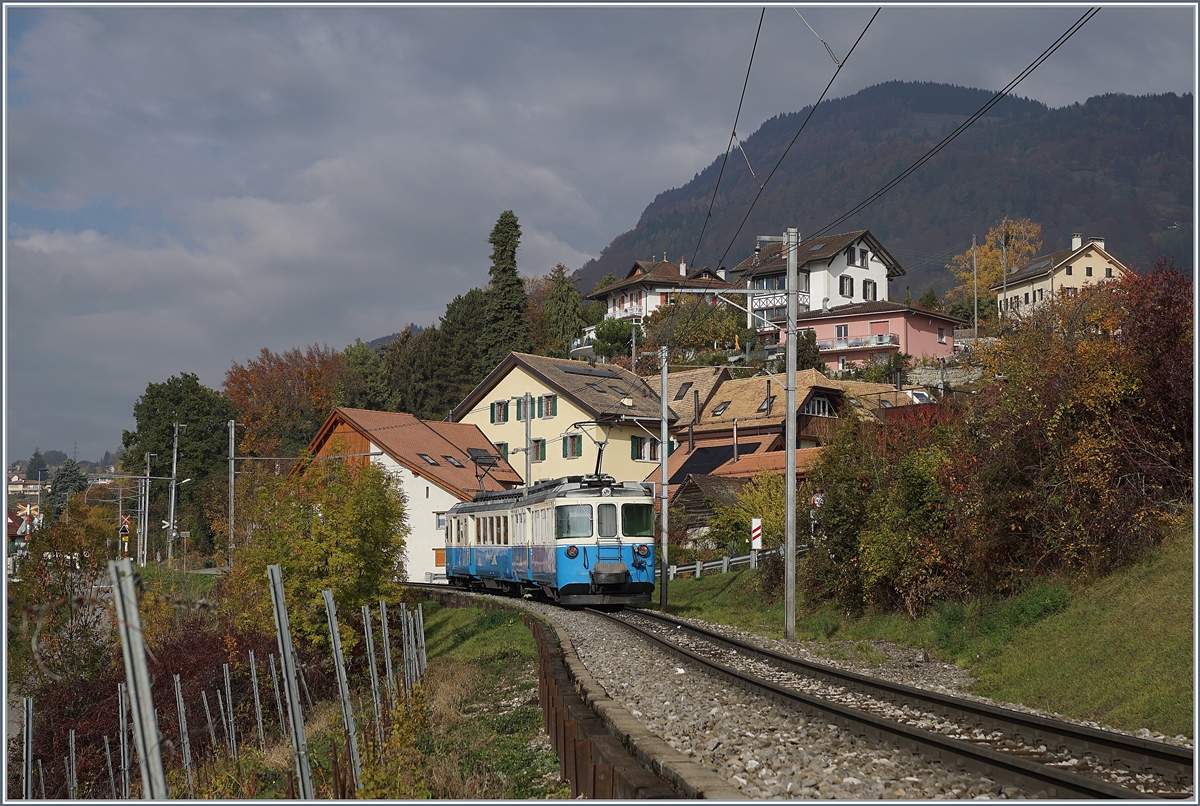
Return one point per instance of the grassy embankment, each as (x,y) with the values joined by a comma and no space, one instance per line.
(1117,650)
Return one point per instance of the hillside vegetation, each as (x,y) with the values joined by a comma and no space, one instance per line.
(1116,166)
(1116,650)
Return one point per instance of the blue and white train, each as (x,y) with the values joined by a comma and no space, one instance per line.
(578,540)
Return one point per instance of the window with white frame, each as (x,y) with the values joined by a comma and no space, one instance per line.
(941,335)
(818,406)
(538,451)
(499,411)
(841,331)
(862,257)
(441,520)
(645,449)
(846,286)
(841,362)
(869,290)
(502,449)
(547,406)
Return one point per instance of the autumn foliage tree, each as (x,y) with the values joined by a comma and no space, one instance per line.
(1067,462)
(282,398)
(1018,241)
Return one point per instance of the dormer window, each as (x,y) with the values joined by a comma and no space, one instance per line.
(818,406)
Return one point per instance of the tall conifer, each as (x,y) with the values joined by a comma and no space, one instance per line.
(505,328)
(564,309)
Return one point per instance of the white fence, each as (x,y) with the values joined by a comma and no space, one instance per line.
(723,565)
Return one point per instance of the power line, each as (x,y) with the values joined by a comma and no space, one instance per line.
(783,156)
(732,137)
(1091,12)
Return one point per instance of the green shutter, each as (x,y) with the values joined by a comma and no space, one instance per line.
(492,412)
(519,407)
(564,446)
(503,446)
(540,399)
(634,450)
(671,444)
(553,405)
(579,444)
(542,450)
(505,417)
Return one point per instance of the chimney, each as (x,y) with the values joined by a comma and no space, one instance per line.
(735,455)
(721,272)
(682,268)
(768,397)
(1099,241)
(1076,240)
(696,406)
(825,303)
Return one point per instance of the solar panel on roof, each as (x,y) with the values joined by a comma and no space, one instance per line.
(585,370)
(705,460)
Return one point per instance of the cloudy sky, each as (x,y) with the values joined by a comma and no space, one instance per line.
(188,185)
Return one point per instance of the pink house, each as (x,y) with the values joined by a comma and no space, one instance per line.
(871,331)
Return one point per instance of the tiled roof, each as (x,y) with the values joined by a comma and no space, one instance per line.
(404,438)
(661,273)
(745,396)
(702,381)
(875,306)
(599,390)
(772,461)
(771,260)
(1042,265)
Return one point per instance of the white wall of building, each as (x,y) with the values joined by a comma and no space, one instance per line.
(424,499)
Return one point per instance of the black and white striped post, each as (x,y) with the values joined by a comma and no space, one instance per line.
(287,661)
(339,665)
(141,699)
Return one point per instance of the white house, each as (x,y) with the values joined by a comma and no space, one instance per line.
(832,270)
(649,284)
(433,464)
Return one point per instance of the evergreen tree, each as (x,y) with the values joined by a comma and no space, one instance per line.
(65,482)
(367,386)
(808,354)
(36,462)
(506,328)
(929,301)
(461,325)
(564,310)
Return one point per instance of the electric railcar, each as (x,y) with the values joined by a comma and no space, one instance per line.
(578,540)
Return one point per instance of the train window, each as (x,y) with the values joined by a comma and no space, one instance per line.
(606,520)
(504,530)
(573,520)
(638,519)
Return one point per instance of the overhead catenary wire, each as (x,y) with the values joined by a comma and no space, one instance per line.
(732,139)
(1091,12)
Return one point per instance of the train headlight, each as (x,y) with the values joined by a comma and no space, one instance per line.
(643,550)
(572,552)
(606,492)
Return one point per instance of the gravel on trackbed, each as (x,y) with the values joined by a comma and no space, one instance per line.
(763,748)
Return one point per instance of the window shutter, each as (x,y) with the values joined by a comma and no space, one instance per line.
(579,444)
(492,412)
(634,450)
(542,450)
(671,446)
(553,405)
(564,446)
(520,409)
(504,450)
(505,417)
(541,407)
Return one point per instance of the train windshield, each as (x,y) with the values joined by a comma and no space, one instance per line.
(606,519)
(573,520)
(638,519)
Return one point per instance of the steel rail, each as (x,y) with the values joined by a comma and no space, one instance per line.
(1030,776)
(1169,761)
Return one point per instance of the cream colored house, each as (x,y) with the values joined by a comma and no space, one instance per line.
(1058,274)
(573,408)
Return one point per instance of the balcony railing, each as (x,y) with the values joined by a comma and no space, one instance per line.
(860,342)
(625,312)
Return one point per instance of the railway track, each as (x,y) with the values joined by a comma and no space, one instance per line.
(1031,752)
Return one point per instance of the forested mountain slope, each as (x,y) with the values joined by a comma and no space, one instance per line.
(1117,166)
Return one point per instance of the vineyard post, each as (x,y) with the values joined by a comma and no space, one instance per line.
(141,700)
(287,661)
(339,665)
